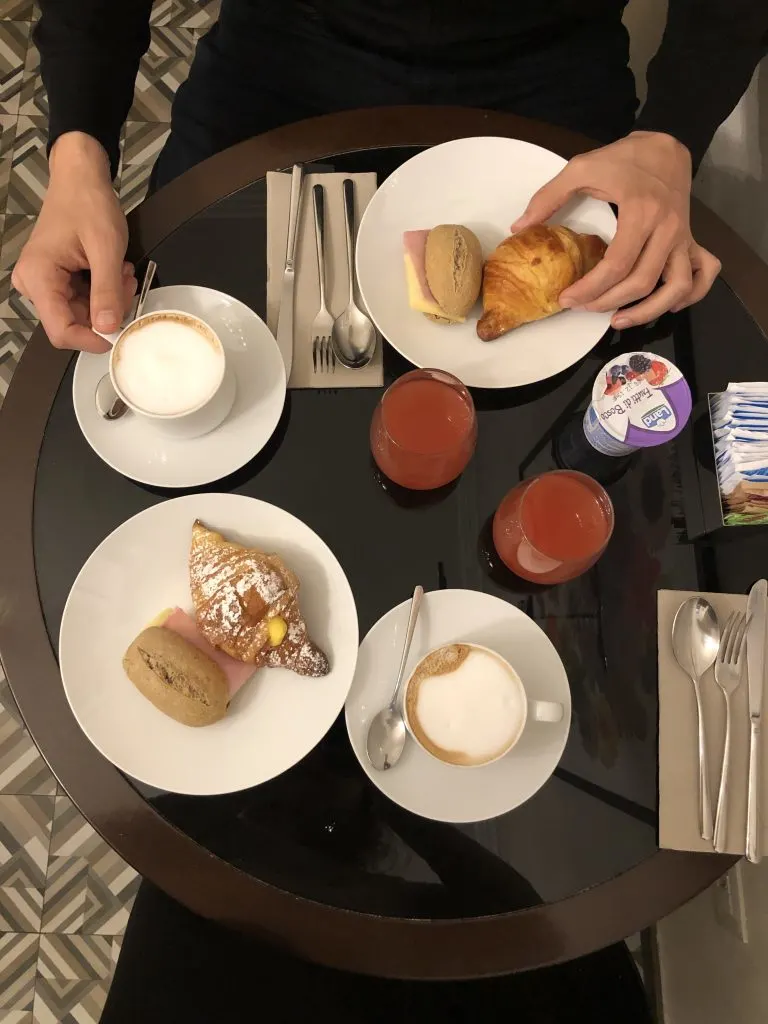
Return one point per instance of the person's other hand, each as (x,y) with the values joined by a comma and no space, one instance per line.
(648,176)
(80,227)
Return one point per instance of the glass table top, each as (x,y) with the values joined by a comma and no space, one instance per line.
(322,830)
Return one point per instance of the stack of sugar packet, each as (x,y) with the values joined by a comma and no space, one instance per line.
(740,428)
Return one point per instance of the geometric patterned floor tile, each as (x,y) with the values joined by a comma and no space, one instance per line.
(14,39)
(7,138)
(89,888)
(198,14)
(17,10)
(33,99)
(69,1002)
(15,229)
(18,959)
(22,768)
(66,895)
(163,68)
(29,172)
(134,180)
(143,141)
(20,909)
(13,305)
(25,834)
(75,957)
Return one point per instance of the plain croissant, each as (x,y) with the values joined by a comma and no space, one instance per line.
(524,276)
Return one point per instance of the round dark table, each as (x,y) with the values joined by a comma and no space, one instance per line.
(317,860)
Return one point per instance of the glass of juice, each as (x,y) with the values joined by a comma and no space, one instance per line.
(424,430)
(553,527)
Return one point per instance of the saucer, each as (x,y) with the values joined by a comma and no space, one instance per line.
(142,567)
(136,448)
(419,782)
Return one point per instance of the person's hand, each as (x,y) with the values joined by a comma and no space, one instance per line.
(648,176)
(80,227)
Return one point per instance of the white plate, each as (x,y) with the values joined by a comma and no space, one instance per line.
(137,449)
(139,570)
(421,783)
(485,184)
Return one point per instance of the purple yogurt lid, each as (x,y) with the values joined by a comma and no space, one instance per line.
(641,399)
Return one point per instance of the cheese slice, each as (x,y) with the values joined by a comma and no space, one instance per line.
(420,297)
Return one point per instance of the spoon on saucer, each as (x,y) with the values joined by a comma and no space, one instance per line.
(386,733)
(108,402)
(353,336)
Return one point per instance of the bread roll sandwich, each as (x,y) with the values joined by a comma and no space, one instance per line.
(444,271)
(177,677)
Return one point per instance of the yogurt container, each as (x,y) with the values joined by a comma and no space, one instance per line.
(638,400)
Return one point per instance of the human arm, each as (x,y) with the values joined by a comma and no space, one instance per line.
(707,56)
(90,51)
(648,173)
(89,56)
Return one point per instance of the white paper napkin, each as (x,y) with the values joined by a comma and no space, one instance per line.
(307,290)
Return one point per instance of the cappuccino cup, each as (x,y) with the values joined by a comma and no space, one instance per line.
(465,705)
(171,368)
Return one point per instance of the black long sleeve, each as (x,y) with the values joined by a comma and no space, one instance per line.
(707,56)
(90,51)
(89,56)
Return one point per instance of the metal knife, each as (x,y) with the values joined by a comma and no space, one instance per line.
(285,316)
(757,604)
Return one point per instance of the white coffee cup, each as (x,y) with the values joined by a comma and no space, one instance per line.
(204,397)
(516,713)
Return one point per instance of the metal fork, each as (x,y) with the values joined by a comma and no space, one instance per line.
(728,669)
(323,358)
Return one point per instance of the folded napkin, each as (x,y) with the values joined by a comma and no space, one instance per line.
(678,741)
(306,288)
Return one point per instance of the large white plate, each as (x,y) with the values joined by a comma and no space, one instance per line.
(136,448)
(485,184)
(140,569)
(421,783)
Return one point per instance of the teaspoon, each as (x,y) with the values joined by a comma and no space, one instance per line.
(353,336)
(696,641)
(108,402)
(386,733)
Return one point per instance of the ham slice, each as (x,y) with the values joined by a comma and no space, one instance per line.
(237,672)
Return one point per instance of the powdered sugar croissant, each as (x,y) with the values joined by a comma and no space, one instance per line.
(246,604)
(524,276)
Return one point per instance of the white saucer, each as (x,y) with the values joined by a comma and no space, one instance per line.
(137,449)
(419,782)
(142,568)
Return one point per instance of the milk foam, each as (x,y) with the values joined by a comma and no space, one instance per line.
(167,366)
(477,709)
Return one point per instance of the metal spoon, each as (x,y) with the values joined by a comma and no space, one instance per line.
(696,641)
(386,733)
(108,402)
(353,336)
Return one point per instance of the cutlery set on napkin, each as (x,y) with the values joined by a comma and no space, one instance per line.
(711,675)
(304,224)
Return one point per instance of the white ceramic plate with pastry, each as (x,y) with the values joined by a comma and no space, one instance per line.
(420,782)
(483,184)
(143,567)
(133,446)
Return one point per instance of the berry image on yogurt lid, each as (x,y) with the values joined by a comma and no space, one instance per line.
(638,400)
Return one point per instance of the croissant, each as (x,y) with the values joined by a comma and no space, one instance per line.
(245,600)
(524,276)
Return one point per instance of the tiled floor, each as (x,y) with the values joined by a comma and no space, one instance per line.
(65,895)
